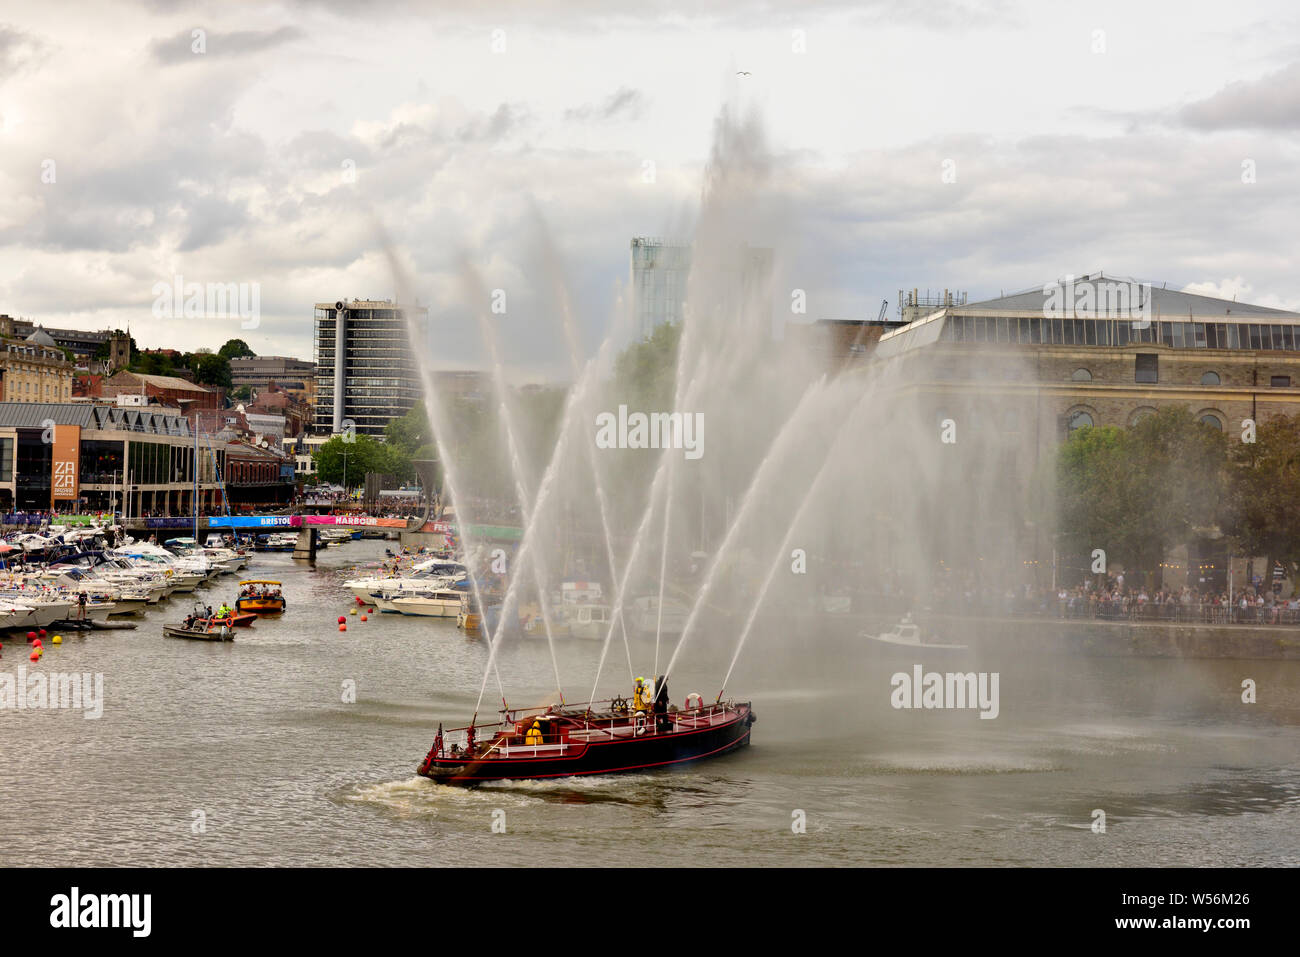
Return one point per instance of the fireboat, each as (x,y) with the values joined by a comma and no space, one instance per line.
(610,736)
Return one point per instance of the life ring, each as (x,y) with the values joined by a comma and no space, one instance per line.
(697,698)
(640,723)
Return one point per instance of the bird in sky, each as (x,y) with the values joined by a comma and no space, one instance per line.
(742,73)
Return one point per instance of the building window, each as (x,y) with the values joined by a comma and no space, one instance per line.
(1146,368)
(1140,414)
(1079,419)
(1081,375)
(1210,378)
(1280,381)
(1211,419)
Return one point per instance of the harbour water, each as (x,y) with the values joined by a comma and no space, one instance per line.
(247,753)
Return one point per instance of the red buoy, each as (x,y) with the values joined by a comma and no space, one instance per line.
(31,635)
(35,656)
(343,619)
(36,643)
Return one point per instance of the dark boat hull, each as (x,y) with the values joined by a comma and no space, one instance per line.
(607,757)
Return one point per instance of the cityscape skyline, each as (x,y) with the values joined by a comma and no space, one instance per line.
(261,162)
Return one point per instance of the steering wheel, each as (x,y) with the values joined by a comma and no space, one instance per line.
(618,705)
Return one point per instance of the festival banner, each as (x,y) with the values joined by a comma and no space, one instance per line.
(66,462)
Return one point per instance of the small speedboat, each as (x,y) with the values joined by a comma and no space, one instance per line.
(603,737)
(234,621)
(200,631)
(907,634)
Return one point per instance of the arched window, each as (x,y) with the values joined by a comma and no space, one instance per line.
(1140,414)
(1081,375)
(1210,378)
(1079,419)
(1212,418)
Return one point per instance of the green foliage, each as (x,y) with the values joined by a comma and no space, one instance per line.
(235,349)
(357,457)
(1261,517)
(211,369)
(410,434)
(1137,492)
(645,372)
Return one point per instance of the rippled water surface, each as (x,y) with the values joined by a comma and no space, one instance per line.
(255,736)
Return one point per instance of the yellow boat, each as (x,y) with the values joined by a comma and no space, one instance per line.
(268,600)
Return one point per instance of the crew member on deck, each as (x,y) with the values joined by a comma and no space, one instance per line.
(640,700)
(660,707)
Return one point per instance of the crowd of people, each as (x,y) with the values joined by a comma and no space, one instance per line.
(1115,599)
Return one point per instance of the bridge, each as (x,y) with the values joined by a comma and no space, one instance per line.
(307,524)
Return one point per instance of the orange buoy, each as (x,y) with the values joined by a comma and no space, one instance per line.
(35,656)
(343,627)
(364,618)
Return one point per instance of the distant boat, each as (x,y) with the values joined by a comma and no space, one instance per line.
(907,634)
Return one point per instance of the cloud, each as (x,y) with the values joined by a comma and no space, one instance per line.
(1270,103)
(624,104)
(18,50)
(180,47)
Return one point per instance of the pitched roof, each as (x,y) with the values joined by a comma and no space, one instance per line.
(1170,304)
(164,381)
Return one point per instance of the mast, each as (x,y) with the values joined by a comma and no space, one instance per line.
(195,503)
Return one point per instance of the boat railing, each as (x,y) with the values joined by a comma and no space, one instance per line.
(587,721)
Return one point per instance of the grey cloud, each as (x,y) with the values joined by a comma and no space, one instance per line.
(1271,103)
(624,103)
(180,47)
(18,49)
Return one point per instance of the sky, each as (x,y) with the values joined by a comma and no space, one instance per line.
(959,144)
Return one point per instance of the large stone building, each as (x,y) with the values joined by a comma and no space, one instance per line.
(84,344)
(34,368)
(1018,373)
(1122,349)
(296,376)
(366,370)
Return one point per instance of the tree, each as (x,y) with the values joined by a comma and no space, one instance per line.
(211,369)
(341,461)
(410,433)
(645,372)
(1264,477)
(1136,493)
(235,349)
